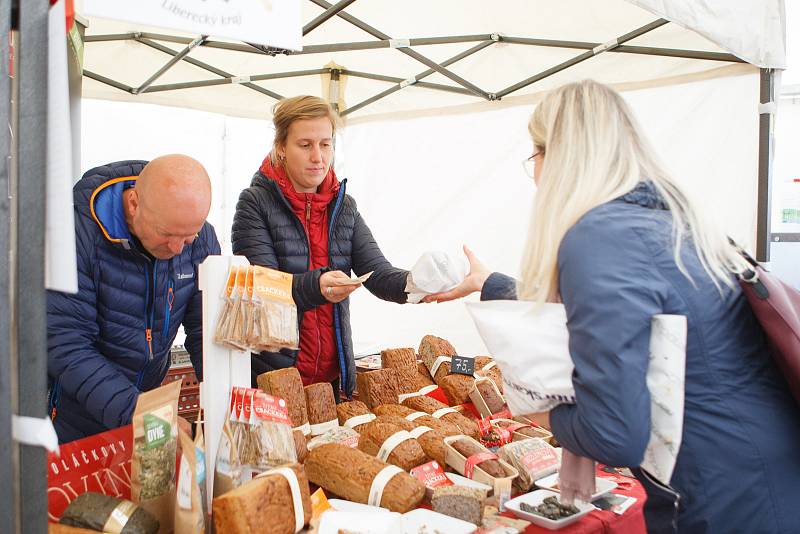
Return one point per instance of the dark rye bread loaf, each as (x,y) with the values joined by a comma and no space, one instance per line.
(456,388)
(398,358)
(286,384)
(263,504)
(429,405)
(468,448)
(490,396)
(349,473)
(460,502)
(406,455)
(378,387)
(409,380)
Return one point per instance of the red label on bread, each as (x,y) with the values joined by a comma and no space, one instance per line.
(269,408)
(431,475)
(505,413)
(539,459)
(475,459)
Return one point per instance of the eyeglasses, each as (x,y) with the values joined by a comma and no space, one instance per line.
(530,163)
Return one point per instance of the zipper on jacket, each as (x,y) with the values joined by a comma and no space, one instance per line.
(337,320)
(53,400)
(667,488)
(308,213)
(168,308)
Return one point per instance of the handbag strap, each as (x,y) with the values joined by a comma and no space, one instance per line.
(750,276)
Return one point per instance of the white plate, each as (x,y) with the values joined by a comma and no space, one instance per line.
(347,506)
(423,520)
(458,480)
(536,498)
(333,522)
(602,485)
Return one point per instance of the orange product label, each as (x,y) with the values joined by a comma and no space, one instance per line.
(319,503)
(231,284)
(241,277)
(248,283)
(475,459)
(431,475)
(269,408)
(273,285)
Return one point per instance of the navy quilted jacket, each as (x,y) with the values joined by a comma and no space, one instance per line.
(268,233)
(738,468)
(99,358)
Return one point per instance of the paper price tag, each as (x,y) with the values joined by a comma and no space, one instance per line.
(431,475)
(462,365)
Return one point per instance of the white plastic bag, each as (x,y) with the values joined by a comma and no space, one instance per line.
(435,271)
(531,346)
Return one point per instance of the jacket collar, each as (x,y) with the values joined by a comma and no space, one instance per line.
(107,209)
(646,195)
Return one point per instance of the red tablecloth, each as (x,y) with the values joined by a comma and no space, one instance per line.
(606,522)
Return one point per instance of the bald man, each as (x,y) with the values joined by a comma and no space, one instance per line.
(140,232)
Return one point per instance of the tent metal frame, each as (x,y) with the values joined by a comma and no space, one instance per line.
(23,496)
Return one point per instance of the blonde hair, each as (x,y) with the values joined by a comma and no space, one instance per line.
(594,153)
(296,108)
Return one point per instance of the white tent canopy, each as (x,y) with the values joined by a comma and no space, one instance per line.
(379,46)
(436,166)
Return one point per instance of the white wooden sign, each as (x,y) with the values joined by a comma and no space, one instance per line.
(267,22)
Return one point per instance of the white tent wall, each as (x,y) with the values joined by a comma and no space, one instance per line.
(435,182)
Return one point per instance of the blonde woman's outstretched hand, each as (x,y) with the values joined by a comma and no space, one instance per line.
(478,273)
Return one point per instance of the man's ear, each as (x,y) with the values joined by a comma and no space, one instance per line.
(132,201)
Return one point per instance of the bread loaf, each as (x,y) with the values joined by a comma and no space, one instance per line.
(300,447)
(286,384)
(431,347)
(456,388)
(263,504)
(409,380)
(460,502)
(406,455)
(424,374)
(393,409)
(432,443)
(493,372)
(353,414)
(398,358)
(429,405)
(532,458)
(321,405)
(467,448)
(491,397)
(341,434)
(378,387)
(397,420)
(349,473)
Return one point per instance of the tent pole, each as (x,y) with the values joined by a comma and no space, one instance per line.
(418,77)
(236,79)
(206,66)
(9,502)
(171,63)
(409,52)
(583,57)
(31,300)
(328,13)
(108,81)
(766,121)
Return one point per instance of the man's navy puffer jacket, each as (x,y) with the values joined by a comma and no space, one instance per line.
(99,358)
(268,233)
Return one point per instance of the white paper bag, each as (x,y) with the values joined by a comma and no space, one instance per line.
(530,343)
(434,272)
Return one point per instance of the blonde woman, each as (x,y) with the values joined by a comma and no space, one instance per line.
(615,239)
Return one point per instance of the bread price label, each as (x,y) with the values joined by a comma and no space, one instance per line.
(462,365)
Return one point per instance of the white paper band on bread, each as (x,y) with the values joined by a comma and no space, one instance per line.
(321,428)
(417,432)
(305,428)
(359,420)
(442,411)
(297,497)
(420,393)
(439,361)
(391,444)
(379,484)
(119,517)
(416,415)
(488,366)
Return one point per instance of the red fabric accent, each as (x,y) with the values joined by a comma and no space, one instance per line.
(318,360)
